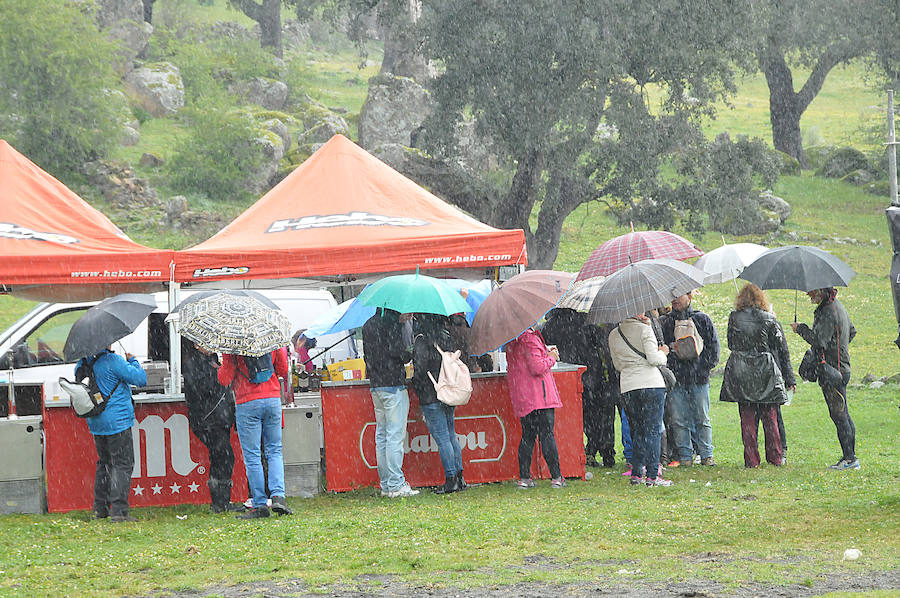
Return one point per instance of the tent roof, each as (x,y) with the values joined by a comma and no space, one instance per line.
(343,214)
(50,236)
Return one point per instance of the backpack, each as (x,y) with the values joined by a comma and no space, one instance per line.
(454,383)
(688,342)
(87,399)
(259,369)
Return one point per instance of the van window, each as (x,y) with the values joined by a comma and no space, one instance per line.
(45,343)
(158,335)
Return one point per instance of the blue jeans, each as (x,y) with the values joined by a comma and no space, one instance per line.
(260,420)
(645,411)
(391,410)
(439,418)
(626,435)
(690,417)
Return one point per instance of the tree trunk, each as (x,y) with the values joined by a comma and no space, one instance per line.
(268,16)
(148,11)
(784,112)
(402,49)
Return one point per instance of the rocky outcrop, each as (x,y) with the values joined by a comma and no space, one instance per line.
(157,88)
(268,93)
(395,108)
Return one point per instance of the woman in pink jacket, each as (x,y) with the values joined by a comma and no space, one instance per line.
(534,397)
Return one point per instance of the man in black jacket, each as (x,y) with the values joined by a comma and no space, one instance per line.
(690,396)
(210,409)
(386,354)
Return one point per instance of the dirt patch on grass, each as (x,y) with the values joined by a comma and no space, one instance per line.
(386,586)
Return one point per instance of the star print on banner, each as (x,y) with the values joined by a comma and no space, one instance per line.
(139,491)
(175,488)
(157,489)
(194,487)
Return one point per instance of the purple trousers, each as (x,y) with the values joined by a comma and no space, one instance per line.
(769,419)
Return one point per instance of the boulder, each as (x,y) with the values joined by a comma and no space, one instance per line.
(268,93)
(324,128)
(275,125)
(112,11)
(842,162)
(394,109)
(768,201)
(157,88)
(151,160)
(129,136)
(271,148)
(133,38)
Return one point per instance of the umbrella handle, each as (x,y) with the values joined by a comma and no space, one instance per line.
(326,349)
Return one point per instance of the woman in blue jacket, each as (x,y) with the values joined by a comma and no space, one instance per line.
(113,375)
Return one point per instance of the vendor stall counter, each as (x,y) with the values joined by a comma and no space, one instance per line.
(487,430)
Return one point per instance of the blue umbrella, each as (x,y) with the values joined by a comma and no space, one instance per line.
(346,316)
(477,292)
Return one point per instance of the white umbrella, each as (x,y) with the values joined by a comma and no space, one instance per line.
(728,261)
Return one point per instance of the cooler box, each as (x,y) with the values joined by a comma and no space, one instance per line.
(349,369)
(22,465)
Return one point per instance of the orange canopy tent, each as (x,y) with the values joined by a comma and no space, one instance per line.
(55,247)
(341,216)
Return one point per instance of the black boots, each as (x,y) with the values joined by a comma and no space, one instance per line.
(460,482)
(220,496)
(451,484)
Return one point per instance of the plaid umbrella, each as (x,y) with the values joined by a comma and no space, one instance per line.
(236,324)
(516,305)
(643,286)
(581,295)
(617,253)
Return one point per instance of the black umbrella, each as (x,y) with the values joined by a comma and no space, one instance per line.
(107,322)
(798,267)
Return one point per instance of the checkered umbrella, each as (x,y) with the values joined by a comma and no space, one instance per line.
(617,253)
(236,324)
(581,295)
(643,286)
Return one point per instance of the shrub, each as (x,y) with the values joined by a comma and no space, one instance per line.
(842,162)
(218,155)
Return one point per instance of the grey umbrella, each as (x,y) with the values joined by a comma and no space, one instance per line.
(107,322)
(642,286)
(798,267)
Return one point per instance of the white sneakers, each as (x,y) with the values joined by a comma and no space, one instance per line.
(403,492)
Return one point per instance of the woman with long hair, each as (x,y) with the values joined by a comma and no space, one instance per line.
(758,372)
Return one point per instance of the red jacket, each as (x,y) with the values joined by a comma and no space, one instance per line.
(233,372)
(531,384)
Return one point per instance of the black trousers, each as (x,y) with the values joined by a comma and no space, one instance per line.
(607,395)
(112,480)
(221,456)
(538,424)
(836,399)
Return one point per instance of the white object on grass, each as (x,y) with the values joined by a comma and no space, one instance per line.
(851,554)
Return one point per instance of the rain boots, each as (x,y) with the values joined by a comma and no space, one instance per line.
(451,484)
(220,495)
(460,482)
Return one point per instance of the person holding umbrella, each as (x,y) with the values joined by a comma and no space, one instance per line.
(113,376)
(830,338)
(637,355)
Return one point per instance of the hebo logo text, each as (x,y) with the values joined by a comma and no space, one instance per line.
(349,219)
(223,271)
(13,231)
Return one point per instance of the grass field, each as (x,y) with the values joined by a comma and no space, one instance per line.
(780,528)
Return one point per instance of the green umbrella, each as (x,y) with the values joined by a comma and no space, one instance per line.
(414,293)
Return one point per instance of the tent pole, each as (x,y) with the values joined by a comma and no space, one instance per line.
(174,386)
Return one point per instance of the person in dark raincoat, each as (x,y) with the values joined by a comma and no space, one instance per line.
(210,408)
(757,373)
(830,337)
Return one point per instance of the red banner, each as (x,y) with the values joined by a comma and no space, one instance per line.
(171,466)
(486,428)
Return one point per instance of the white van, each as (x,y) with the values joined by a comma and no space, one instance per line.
(31,350)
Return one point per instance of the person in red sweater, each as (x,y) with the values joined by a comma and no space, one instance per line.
(258,418)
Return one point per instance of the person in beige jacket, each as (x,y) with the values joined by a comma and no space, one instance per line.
(636,354)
